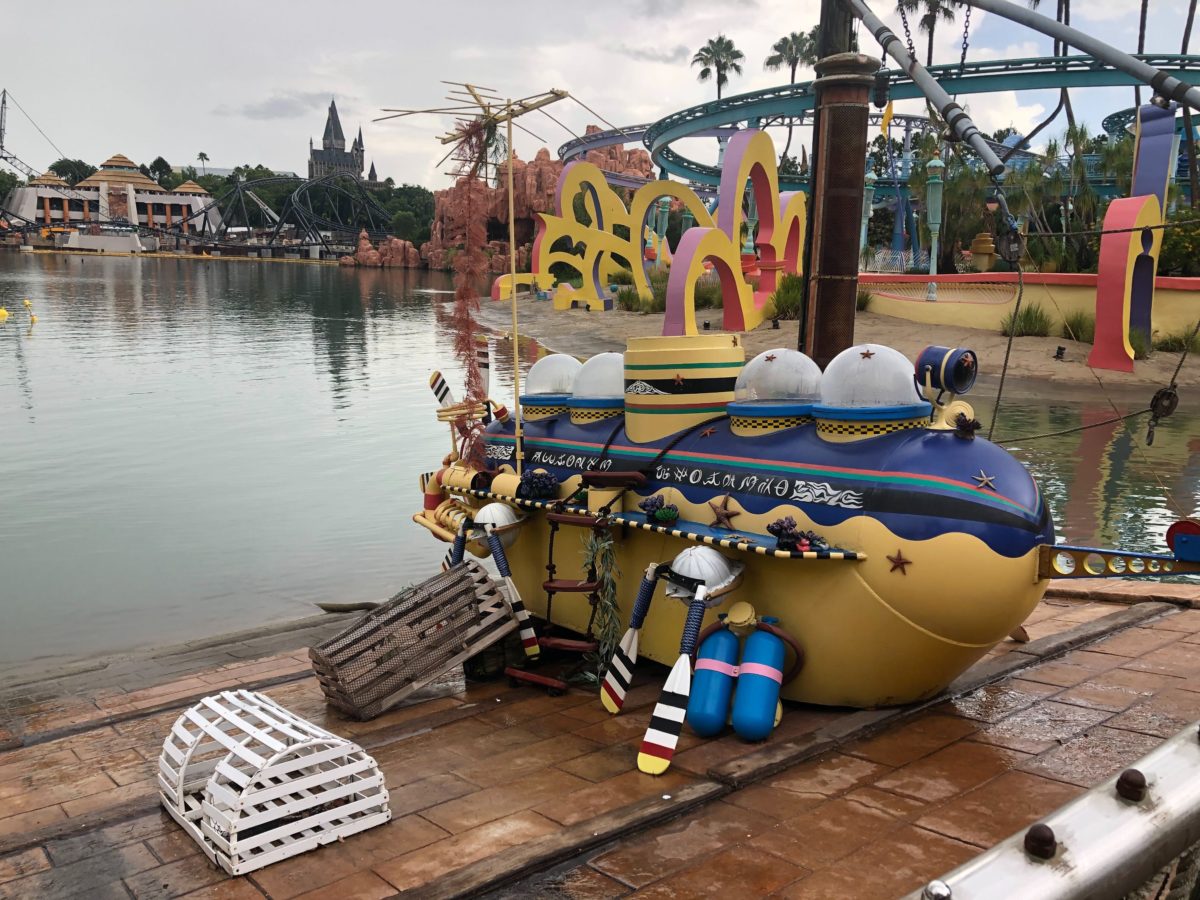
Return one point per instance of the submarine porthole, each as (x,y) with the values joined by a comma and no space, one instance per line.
(1116,565)
(1064,563)
(1136,566)
(1153,565)
(1094,563)
(1168,566)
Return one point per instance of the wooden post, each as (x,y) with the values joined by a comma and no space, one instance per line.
(843,88)
(512,285)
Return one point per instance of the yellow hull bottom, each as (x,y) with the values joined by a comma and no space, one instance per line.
(873,633)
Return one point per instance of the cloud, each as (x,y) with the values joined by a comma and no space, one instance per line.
(656,9)
(676,54)
(282,105)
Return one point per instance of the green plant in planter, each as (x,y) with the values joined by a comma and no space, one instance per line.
(659,510)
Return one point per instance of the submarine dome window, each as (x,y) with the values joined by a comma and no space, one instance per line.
(601,378)
(871,376)
(779,375)
(553,374)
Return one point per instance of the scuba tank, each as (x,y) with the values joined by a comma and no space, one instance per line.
(760,678)
(712,683)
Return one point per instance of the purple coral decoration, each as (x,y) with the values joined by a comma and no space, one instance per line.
(537,486)
(657,509)
(789,537)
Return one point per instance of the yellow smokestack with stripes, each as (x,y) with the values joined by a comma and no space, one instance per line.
(672,383)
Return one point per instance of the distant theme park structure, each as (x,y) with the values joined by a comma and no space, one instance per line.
(333,158)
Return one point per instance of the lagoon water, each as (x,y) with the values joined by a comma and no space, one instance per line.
(189,447)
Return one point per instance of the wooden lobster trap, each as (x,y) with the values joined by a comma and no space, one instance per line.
(408,642)
(253,783)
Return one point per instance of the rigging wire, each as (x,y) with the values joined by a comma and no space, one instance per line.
(1008,349)
(17,104)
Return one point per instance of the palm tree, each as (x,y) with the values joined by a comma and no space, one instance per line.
(791,51)
(721,57)
(934,11)
(202,157)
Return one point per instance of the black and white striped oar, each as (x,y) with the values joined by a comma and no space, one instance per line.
(482,358)
(459,548)
(440,389)
(524,624)
(624,658)
(666,722)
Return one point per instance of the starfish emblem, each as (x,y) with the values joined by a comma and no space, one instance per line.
(968,361)
(986,482)
(899,562)
(867,354)
(708,432)
(770,357)
(678,381)
(722,513)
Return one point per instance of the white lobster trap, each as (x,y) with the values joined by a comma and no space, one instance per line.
(254,783)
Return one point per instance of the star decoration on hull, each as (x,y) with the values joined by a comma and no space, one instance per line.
(899,562)
(770,357)
(708,432)
(723,515)
(985,481)
(867,354)
(678,381)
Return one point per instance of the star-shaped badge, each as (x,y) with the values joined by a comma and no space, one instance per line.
(867,354)
(985,481)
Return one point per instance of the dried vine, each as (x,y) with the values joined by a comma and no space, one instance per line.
(600,553)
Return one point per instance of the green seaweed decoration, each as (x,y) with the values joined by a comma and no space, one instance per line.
(600,553)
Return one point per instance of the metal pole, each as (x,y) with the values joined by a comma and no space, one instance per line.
(512,284)
(1165,85)
(960,123)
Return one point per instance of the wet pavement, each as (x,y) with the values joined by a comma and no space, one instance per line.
(489,783)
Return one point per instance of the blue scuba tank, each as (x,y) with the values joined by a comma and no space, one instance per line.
(760,678)
(712,684)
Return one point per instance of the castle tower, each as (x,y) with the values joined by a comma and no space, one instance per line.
(333,138)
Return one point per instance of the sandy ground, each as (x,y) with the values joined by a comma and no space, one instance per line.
(1032,365)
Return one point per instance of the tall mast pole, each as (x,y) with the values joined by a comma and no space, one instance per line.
(512,284)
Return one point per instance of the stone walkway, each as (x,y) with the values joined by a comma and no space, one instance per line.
(489,782)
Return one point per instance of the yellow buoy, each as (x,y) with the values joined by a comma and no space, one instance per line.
(27,303)
(3,314)
(33,320)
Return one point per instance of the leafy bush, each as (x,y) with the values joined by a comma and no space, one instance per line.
(1030,321)
(621,276)
(628,299)
(862,301)
(1177,342)
(789,297)
(1140,343)
(708,292)
(1079,326)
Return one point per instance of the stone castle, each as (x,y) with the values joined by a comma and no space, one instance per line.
(333,157)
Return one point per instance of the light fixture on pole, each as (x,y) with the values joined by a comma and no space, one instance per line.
(933,217)
(868,207)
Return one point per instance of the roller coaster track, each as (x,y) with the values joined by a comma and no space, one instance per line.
(791,103)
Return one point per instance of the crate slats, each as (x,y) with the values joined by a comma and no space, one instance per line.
(408,642)
(253,783)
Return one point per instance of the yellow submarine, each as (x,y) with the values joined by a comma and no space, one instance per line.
(893,544)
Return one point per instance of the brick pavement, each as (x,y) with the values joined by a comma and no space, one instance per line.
(487,779)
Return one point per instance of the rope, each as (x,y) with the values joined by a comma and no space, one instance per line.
(1012,330)
(36,125)
(1078,428)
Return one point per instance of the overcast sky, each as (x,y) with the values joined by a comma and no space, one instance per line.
(249,82)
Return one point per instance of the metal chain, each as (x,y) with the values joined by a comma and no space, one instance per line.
(907,33)
(966,42)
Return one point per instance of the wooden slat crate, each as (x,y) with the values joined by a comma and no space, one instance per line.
(252,783)
(404,644)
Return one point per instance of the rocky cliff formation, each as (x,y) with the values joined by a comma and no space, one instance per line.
(391,253)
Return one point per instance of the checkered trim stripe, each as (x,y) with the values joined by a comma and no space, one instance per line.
(594,415)
(768,423)
(830,426)
(542,412)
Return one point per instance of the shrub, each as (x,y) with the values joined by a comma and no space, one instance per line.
(1030,321)
(789,297)
(658,290)
(1177,342)
(628,299)
(621,276)
(1079,326)
(708,292)
(1140,343)
(862,301)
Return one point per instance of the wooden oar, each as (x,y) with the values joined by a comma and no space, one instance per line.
(666,722)
(440,389)
(624,658)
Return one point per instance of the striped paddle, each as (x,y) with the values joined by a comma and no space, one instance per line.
(624,658)
(440,389)
(524,624)
(666,722)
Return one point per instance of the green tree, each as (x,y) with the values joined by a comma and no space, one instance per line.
(717,59)
(932,12)
(8,182)
(790,52)
(202,158)
(72,171)
(404,224)
(160,171)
